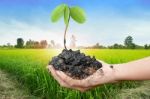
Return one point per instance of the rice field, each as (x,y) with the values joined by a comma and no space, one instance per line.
(29,67)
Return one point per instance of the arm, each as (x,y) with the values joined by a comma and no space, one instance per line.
(136,70)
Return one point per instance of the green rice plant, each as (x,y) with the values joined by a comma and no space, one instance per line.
(29,67)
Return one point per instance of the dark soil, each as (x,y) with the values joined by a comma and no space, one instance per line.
(75,64)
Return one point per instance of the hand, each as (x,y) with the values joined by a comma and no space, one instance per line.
(101,76)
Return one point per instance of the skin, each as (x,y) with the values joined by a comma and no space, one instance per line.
(135,70)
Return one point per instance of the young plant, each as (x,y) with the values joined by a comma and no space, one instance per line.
(63,10)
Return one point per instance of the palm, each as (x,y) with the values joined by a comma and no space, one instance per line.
(101,76)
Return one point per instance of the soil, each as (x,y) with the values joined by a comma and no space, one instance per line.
(75,64)
(10,88)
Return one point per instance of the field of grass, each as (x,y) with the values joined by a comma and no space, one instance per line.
(29,67)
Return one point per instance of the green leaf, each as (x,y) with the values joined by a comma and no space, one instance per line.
(77,14)
(66,15)
(58,12)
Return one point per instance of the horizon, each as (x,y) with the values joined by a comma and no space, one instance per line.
(108,21)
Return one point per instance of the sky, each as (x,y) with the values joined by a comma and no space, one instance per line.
(107,21)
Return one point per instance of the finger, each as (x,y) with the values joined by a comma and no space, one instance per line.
(83,89)
(70,81)
(61,82)
(93,80)
(48,67)
(73,82)
(80,88)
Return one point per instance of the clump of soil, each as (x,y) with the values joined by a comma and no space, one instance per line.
(75,64)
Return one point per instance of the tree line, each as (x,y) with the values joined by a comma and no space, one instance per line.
(36,44)
(128,44)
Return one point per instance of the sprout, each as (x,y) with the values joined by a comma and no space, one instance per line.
(63,10)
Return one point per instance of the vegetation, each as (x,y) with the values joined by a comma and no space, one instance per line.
(29,67)
(76,13)
(128,44)
(20,43)
(11,89)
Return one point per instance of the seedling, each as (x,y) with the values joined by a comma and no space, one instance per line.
(73,63)
(63,10)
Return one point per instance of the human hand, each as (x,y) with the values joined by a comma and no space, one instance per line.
(106,74)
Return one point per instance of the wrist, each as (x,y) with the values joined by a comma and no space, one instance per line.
(118,72)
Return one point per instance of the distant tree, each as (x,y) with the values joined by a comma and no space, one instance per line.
(20,43)
(97,45)
(30,44)
(133,46)
(43,44)
(53,43)
(129,42)
(73,42)
(139,47)
(9,45)
(146,46)
(49,46)
(116,46)
(36,44)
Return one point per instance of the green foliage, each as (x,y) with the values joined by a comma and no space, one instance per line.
(129,42)
(77,14)
(58,12)
(20,43)
(66,15)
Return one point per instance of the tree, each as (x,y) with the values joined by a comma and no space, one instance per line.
(53,43)
(129,42)
(29,44)
(146,46)
(20,43)
(116,46)
(97,45)
(43,44)
(73,42)
(36,44)
(133,46)
(76,13)
(32,44)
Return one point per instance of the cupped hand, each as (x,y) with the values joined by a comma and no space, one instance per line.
(104,75)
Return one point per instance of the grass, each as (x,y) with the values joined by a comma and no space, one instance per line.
(11,89)
(29,67)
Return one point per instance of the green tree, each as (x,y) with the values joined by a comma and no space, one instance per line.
(20,43)
(36,44)
(63,10)
(146,46)
(43,44)
(129,42)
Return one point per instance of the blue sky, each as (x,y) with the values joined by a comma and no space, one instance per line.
(108,21)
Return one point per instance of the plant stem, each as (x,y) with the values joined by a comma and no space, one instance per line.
(65,33)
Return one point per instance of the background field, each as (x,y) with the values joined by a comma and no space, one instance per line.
(29,67)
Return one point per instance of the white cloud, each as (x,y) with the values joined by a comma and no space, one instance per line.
(106,31)
(14,29)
